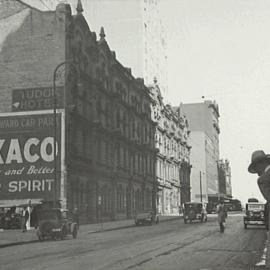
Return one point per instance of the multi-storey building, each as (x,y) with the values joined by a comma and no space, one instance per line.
(173,150)
(225,165)
(221,178)
(203,121)
(93,147)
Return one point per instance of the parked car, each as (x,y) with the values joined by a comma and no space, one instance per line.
(195,211)
(55,223)
(146,217)
(12,221)
(254,214)
(10,218)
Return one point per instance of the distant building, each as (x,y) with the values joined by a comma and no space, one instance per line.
(203,121)
(224,178)
(228,175)
(173,154)
(99,156)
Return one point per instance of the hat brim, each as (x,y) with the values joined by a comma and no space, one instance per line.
(251,167)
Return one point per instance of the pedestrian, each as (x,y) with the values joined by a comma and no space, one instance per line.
(76,217)
(28,225)
(222,215)
(25,217)
(260,164)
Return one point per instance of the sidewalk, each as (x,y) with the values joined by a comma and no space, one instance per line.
(17,237)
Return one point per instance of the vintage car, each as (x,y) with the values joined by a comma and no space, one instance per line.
(10,218)
(254,214)
(55,223)
(194,211)
(146,217)
(12,221)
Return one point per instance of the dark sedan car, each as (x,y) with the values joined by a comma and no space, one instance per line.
(254,214)
(146,217)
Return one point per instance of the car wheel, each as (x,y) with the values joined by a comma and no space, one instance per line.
(75,233)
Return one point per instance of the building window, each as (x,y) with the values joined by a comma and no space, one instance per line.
(121,199)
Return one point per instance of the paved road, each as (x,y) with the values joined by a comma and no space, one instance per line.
(169,245)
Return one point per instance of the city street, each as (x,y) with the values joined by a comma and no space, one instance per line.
(168,245)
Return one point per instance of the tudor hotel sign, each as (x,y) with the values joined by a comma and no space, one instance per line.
(36,99)
(27,154)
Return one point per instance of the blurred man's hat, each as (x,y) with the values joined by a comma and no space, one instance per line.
(257,157)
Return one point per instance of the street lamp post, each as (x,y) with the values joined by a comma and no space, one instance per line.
(55,76)
(201,186)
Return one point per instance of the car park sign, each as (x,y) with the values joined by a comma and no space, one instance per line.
(27,156)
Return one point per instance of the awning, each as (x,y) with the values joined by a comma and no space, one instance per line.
(20,202)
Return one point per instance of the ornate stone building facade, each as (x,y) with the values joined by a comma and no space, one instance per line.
(112,161)
(172,161)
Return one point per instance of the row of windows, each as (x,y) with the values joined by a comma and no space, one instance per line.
(122,157)
(167,171)
(138,202)
(170,148)
(82,198)
(128,126)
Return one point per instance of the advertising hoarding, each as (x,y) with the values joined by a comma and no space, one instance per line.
(27,162)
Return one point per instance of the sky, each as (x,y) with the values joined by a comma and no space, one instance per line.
(220,49)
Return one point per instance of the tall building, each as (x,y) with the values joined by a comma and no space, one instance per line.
(228,176)
(94,148)
(173,154)
(203,121)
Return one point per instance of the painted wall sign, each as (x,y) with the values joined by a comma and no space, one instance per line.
(35,99)
(27,155)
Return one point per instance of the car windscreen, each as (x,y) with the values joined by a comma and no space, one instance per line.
(197,207)
(255,207)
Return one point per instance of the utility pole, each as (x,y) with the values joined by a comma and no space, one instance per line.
(201,185)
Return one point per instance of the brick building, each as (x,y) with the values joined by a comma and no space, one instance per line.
(108,153)
(173,151)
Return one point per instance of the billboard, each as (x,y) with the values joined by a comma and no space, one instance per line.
(27,157)
(36,99)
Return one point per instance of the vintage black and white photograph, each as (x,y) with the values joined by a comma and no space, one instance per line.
(134,134)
